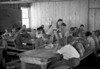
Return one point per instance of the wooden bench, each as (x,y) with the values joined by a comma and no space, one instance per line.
(12,63)
(11,47)
(14,48)
(86,54)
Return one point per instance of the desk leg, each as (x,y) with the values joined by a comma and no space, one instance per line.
(43,66)
(23,65)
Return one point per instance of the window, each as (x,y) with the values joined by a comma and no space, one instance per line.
(25,16)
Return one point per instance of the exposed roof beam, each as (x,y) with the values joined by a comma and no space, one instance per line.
(30,1)
(15,2)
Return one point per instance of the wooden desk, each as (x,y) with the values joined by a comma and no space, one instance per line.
(37,56)
(87,53)
(11,39)
(29,41)
(41,56)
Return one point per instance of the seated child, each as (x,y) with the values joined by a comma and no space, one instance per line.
(39,33)
(67,55)
(79,47)
(83,41)
(13,32)
(26,35)
(96,43)
(75,32)
(77,44)
(22,37)
(81,29)
(7,34)
(70,32)
(90,40)
(95,39)
(42,39)
(19,31)
(33,34)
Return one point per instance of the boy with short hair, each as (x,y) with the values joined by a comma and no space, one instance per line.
(67,56)
(42,39)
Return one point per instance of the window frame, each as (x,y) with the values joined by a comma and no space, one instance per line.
(27,17)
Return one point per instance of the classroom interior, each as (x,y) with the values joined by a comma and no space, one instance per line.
(49,34)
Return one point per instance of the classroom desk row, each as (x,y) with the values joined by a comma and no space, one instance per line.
(38,56)
(10,44)
(41,56)
(12,49)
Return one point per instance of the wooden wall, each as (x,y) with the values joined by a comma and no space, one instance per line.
(73,13)
(94,3)
(94,15)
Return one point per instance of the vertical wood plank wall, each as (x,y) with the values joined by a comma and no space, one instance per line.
(94,16)
(73,13)
(94,3)
(91,19)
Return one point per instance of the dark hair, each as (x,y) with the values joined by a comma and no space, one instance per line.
(63,24)
(42,26)
(88,33)
(75,27)
(41,29)
(81,25)
(58,21)
(72,29)
(50,26)
(66,40)
(24,31)
(70,39)
(34,29)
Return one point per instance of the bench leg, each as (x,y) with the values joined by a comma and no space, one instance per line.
(43,66)
(23,65)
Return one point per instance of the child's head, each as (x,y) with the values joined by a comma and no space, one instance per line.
(66,40)
(75,29)
(14,30)
(59,22)
(63,25)
(70,39)
(39,30)
(81,26)
(24,27)
(88,33)
(71,30)
(39,33)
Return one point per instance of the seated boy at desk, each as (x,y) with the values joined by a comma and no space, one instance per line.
(67,55)
(22,38)
(6,34)
(90,39)
(42,39)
